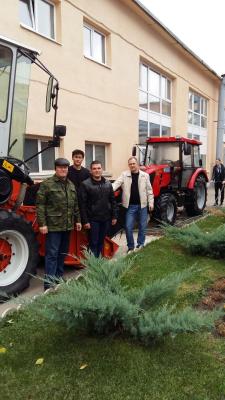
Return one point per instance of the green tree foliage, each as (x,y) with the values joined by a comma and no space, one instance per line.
(99,303)
(197,242)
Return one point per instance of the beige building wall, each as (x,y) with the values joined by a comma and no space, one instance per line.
(99,103)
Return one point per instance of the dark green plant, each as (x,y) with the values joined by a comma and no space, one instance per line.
(197,242)
(99,303)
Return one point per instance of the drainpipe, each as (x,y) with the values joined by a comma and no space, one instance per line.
(221,121)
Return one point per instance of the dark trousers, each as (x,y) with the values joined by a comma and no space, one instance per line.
(98,232)
(56,245)
(219,186)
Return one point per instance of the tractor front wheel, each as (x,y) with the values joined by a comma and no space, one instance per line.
(197,201)
(166,208)
(18,253)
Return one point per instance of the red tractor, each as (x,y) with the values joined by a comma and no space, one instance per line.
(176,175)
(20,243)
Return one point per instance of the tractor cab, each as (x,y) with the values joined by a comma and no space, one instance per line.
(15,68)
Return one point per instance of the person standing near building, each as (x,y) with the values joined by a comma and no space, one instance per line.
(57,208)
(218,176)
(76,173)
(98,207)
(137,198)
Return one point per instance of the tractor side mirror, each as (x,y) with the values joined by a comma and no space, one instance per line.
(200,162)
(187,149)
(134,151)
(49,94)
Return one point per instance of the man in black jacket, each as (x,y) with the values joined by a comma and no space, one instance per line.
(218,176)
(97,206)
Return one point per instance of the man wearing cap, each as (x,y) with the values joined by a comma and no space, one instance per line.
(57,210)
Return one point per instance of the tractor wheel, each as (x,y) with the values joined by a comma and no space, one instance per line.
(197,203)
(18,253)
(166,208)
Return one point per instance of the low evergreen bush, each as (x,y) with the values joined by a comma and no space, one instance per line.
(99,303)
(197,242)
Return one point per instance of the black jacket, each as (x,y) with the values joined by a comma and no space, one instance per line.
(97,201)
(218,176)
(78,176)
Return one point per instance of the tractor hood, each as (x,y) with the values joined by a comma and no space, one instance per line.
(150,169)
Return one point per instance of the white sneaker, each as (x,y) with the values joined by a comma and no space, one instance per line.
(139,247)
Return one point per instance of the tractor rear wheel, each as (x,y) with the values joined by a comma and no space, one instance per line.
(18,253)
(166,208)
(197,203)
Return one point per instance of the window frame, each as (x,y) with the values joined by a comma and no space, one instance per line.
(92,30)
(154,117)
(41,172)
(34,18)
(93,153)
(203,100)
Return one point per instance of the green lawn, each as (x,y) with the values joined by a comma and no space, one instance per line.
(187,366)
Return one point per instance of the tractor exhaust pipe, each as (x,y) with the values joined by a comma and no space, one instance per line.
(20,197)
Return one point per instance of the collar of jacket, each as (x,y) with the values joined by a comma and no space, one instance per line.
(128,173)
(57,179)
(96,182)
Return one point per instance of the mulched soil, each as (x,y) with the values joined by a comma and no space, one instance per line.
(215,297)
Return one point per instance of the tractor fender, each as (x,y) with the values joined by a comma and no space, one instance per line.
(198,171)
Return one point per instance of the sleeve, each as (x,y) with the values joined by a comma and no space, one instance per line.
(76,209)
(213,174)
(149,190)
(83,199)
(118,182)
(41,202)
(113,204)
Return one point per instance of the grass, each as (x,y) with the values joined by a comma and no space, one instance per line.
(176,368)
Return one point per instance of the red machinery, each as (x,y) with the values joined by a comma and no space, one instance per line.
(177,176)
(20,242)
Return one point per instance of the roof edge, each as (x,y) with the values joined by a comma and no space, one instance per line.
(21,45)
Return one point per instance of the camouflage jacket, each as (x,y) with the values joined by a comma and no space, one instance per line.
(57,205)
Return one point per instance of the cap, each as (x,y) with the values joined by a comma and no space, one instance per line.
(62,162)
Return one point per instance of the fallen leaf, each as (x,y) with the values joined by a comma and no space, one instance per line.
(39,361)
(3,350)
(10,321)
(11,344)
(83,366)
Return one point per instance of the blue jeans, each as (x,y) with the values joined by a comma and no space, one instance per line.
(98,231)
(56,245)
(135,212)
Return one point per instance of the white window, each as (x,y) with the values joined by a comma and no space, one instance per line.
(94,44)
(197,121)
(154,104)
(43,163)
(95,151)
(39,16)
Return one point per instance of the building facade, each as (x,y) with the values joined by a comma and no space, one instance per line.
(123,77)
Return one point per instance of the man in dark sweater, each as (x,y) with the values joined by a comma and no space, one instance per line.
(77,174)
(218,176)
(98,207)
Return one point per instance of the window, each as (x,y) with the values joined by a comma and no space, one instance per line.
(94,44)
(44,162)
(94,151)
(197,121)
(154,104)
(39,16)
(5,72)
(197,110)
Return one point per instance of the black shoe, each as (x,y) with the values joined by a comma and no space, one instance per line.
(221,204)
(215,204)
(129,251)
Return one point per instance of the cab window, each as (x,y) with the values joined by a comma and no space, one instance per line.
(5,73)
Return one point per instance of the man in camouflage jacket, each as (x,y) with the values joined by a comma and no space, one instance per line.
(57,211)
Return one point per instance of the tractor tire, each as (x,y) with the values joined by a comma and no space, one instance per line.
(197,202)
(18,253)
(166,208)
